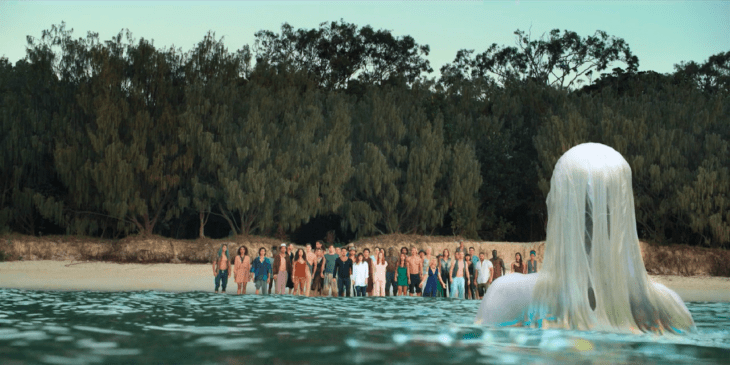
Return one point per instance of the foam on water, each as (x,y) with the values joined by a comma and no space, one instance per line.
(55,327)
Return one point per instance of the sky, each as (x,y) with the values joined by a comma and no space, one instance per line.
(660,33)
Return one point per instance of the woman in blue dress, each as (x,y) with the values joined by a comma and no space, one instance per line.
(433,279)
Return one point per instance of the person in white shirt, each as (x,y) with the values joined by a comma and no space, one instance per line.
(484,270)
(360,273)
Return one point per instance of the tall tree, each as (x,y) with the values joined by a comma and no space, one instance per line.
(134,160)
(213,79)
(676,140)
(30,101)
(712,76)
(398,156)
(556,59)
(338,52)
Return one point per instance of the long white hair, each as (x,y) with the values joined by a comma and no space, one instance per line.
(593,276)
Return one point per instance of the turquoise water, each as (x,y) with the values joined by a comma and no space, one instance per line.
(55,327)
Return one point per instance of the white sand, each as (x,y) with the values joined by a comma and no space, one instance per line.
(106,276)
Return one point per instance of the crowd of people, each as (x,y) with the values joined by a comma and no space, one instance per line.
(345,272)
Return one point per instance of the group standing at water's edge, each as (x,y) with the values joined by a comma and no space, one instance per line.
(345,272)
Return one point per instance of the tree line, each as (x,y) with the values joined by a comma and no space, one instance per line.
(122,137)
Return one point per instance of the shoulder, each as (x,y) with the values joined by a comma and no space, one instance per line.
(506,300)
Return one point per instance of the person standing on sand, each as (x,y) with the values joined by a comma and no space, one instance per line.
(360,273)
(424,264)
(498,265)
(311,257)
(484,272)
(415,271)
(300,267)
(532,263)
(329,284)
(433,279)
(427,260)
(342,273)
(402,275)
(290,280)
(459,276)
(518,266)
(473,279)
(470,268)
(440,283)
(371,270)
(379,275)
(461,248)
(318,277)
(241,268)
(392,261)
(282,269)
(474,257)
(274,248)
(221,268)
(446,263)
(261,267)
(352,255)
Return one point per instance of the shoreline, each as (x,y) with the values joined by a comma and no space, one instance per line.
(110,276)
(676,259)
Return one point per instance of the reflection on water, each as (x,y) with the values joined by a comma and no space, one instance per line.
(99,327)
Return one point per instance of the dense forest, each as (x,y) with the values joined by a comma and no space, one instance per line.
(341,131)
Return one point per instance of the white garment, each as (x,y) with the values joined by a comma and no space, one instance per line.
(484,273)
(360,273)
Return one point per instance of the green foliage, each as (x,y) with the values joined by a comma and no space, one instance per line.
(339,52)
(125,159)
(712,76)
(675,139)
(116,137)
(27,107)
(556,59)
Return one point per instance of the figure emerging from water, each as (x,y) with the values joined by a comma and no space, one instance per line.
(592,276)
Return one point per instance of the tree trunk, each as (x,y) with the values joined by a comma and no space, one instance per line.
(148,225)
(202,224)
(224,213)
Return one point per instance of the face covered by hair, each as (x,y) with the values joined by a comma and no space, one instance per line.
(593,276)
(592,245)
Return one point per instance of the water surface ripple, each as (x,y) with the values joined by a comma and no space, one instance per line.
(84,327)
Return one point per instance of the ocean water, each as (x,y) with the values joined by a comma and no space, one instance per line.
(85,327)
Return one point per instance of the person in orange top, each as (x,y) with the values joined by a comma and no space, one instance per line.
(241,268)
(300,268)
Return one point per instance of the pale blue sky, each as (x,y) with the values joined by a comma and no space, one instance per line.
(659,33)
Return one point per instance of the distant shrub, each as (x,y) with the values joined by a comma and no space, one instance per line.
(720,264)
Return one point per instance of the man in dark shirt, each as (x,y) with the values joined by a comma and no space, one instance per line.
(289,281)
(392,261)
(498,264)
(343,270)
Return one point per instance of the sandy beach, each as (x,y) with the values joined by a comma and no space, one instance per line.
(107,276)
